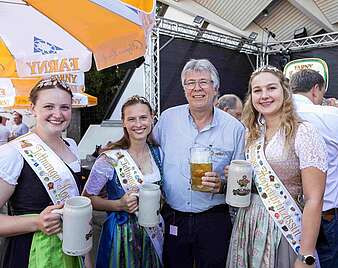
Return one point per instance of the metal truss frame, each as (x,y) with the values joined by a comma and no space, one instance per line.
(185,31)
(305,43)
(152,72)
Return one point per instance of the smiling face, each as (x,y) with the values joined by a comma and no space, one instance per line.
(202,96)
(267,94)
(52,109)
(137,121)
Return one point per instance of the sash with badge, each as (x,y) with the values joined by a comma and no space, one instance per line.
(130,177)
(50,169)
(277,200)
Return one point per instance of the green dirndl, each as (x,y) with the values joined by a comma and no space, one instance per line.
(46,251)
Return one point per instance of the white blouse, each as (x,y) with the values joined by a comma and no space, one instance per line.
(11,161)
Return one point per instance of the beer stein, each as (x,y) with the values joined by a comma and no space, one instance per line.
(200,163)
(77,233)
(149,205)
(239,183)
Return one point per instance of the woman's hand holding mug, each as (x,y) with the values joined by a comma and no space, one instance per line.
(49,222)
(129,201)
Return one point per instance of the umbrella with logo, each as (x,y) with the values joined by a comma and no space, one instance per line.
(44,37)
(14,92)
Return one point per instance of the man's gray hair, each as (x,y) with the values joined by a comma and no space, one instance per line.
(201,65)
(228,101)
(303,80)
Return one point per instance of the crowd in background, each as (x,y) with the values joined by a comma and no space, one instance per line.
(11,129)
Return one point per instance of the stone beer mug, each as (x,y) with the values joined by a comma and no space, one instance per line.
(239,183)
(200,163)
(77,233)
(149,197)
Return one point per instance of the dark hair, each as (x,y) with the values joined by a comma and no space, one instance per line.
(48,83)
(304,80)
(20,115)
(124,142)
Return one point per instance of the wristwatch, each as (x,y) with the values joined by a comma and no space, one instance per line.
(307,259)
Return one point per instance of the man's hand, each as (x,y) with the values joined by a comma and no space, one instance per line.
(213,181)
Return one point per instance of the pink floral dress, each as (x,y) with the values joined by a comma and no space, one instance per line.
(256,241)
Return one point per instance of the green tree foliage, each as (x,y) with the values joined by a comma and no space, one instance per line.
(103,85)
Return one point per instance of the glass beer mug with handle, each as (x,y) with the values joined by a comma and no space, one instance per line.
(200,163)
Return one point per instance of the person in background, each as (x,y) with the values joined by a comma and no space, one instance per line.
(18,127)
(27,168)
(4,120)
(123,242)
(280,227)
(4,132)
(309,88)
(231,104)
(197,224)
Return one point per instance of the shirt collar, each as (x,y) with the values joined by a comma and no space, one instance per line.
(302,99)
(214,121)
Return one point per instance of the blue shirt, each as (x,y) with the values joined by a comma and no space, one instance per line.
(176,132)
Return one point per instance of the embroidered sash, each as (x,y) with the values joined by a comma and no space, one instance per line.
(276,198)
(130,177)
(50,169)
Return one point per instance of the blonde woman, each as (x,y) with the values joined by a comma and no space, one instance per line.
(280,227)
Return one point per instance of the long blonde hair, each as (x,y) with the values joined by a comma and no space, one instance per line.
(289,119)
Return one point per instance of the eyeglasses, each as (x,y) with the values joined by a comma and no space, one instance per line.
(53,82)
(266,68)
(191,84)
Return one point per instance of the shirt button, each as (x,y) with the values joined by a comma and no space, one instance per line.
(189,189)
(188,203)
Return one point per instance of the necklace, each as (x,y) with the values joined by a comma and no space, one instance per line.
(269,135)
(141,160)
(137,162)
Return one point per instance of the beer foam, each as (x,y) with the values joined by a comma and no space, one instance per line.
(200,157)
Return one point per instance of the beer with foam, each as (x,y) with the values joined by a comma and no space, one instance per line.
(200,163)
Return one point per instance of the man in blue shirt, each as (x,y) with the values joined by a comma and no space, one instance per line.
(198,226)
